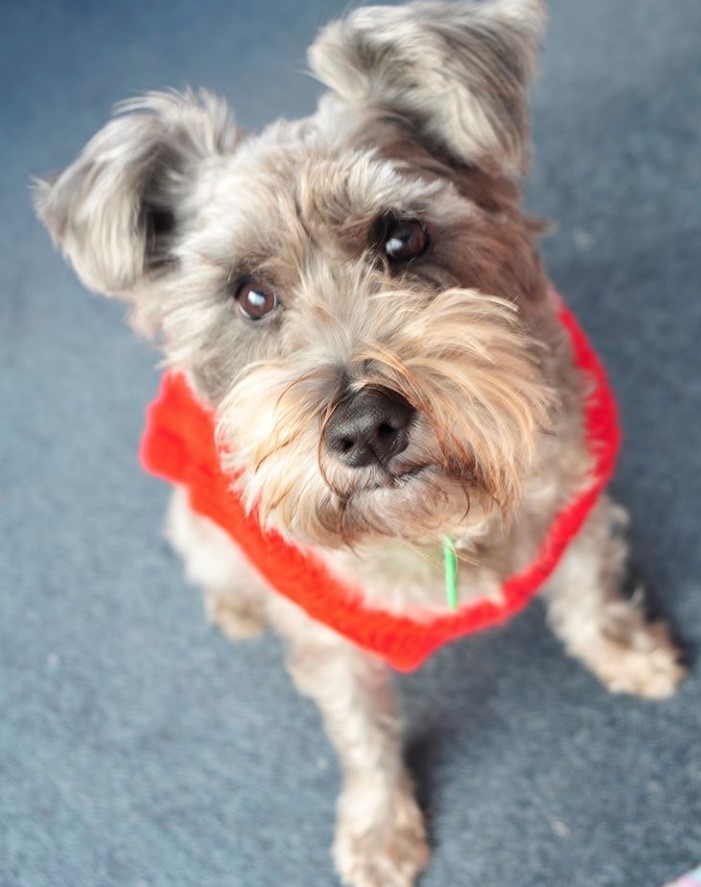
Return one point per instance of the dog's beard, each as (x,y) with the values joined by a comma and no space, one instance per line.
(464,363)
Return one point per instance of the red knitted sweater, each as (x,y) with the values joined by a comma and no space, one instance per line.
(178,446)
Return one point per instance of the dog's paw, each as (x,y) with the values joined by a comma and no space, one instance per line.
(385,850)
(645,662)
(237,618)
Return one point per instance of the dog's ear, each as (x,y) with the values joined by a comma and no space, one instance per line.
(117,210)
(457,72)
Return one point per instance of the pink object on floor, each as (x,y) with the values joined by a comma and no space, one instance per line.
(692,879)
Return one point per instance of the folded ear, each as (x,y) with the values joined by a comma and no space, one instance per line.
(117,210)
(457,72)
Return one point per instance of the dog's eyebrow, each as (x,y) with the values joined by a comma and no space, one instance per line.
(269,229)
(211,260)
(232,265)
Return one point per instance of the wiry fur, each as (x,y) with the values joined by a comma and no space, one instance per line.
(171,206)
(114,211)
(471,375)
(458,71)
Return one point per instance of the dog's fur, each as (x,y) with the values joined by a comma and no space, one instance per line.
(171,205)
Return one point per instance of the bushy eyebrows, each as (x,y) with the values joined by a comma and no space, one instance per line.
(269,221)
(339,193)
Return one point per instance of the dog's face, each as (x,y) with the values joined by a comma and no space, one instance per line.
(348,291)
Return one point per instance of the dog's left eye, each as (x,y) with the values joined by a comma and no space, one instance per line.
(404,239)
(255,298)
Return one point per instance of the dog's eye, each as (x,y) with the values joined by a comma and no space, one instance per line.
(255,298)
(404,239)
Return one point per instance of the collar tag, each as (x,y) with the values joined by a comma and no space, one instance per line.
(450,561)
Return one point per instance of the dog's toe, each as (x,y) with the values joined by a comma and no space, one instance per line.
(386,853)
(647,664)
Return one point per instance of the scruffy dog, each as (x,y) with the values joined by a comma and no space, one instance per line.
(358,299)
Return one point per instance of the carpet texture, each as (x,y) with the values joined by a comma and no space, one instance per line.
(137,747)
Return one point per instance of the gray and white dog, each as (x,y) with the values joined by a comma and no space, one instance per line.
(359,298)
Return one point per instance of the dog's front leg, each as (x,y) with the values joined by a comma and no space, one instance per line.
(380,838)
(605,630)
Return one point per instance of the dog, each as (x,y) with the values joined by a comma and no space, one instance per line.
(357,302)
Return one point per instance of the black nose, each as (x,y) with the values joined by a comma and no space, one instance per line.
(369,428)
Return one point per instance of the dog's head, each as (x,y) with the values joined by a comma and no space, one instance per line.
(349,290)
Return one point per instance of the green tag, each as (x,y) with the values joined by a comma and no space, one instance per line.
(451,572)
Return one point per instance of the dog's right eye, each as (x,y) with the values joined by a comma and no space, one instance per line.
(403,239)
(255,298)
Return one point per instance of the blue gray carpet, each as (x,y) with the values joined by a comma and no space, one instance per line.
(140,749)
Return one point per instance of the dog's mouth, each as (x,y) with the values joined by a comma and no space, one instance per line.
(404,477)
(413,501)
(392,480)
